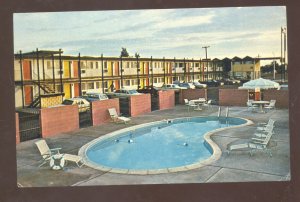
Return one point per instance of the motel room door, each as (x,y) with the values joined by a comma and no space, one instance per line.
(27,76)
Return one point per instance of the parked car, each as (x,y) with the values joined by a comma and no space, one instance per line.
(172,87)
(213,83)
(149,89)
(91,96)
(187,85)
(199,85)
(123,93)
(83,104)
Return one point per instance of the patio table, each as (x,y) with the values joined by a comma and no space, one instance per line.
(57,162)
(261,103)
(199,102)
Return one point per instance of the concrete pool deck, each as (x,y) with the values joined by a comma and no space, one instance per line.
(239,166)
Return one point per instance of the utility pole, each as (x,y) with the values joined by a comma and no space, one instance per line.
(206,47)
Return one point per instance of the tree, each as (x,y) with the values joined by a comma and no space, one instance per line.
(124,52)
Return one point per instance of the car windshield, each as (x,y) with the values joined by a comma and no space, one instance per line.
(132,92)
(92,96)
(103,97)
(67,102)
(184,84)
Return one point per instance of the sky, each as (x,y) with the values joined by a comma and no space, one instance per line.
(180,33)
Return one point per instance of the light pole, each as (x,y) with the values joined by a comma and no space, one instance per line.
(206,47)
(283,57)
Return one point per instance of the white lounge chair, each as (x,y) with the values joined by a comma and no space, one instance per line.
(265,131)
(262,126)
(253,144)
(74,158)
(45,151)
(271,105)
(47,154)
(116,118)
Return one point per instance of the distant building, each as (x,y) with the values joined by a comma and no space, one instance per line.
(245,68)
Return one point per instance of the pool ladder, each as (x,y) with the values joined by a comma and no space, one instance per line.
(226,113)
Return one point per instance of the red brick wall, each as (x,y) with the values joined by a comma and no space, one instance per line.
(59,119)
(17,129)
(166,99)
(191,94)
(100,114)
(281,97)
(139,104)
(233,97)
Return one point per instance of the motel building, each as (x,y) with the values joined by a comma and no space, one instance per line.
(52,75)
(44,73)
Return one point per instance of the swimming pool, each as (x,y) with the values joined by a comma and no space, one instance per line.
(159,147)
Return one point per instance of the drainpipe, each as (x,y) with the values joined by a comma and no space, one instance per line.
(22,83)
(53,72)
(79,74)
(102,76)
(38,70)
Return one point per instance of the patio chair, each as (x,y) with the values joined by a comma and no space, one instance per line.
(191,104)
(45,151)
(251,106)
(254,144)
(265,131)
(116,118)
(208,104)
(74,158)
(47,154)
(271,105)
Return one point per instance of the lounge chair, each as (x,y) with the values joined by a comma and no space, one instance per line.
(116,118)
(74,158)
(271,105)
(263,126)
(47,154)
(45,151)
(253,144)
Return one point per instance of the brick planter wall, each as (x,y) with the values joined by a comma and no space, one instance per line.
(57,120)
(17,129)
(233,97)
(100,114)
(139,104)
(281,97)
(166,99)
(191,94)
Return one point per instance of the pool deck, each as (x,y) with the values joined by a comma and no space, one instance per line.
(238,166)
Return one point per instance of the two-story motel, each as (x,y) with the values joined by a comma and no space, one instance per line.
(44,72)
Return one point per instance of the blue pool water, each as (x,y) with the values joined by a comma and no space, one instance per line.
(159,146)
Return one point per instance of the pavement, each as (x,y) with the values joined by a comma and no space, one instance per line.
(238,166)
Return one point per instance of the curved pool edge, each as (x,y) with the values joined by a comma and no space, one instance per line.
(216,151)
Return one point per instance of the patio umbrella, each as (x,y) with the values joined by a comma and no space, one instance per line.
(260,83)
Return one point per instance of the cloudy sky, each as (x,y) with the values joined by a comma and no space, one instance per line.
(167,33)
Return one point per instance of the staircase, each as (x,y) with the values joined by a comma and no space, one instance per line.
(47,90)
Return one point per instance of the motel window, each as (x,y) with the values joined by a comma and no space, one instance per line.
(155,80)
(97,65)
(127,82)
(49,64)
(83,86)
(105,65)
(90,85)
(97,85)
(181,64)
